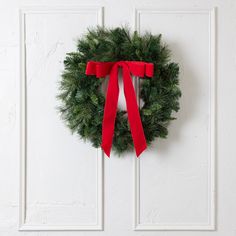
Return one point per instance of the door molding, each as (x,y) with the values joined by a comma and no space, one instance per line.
(210,225)
(23,226)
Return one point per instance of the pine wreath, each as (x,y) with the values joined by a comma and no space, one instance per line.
(82,101)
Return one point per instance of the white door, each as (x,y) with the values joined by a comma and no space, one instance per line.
(184,185)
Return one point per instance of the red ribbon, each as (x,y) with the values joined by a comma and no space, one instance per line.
(136,68)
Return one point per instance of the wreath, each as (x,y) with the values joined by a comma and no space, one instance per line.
(83,101)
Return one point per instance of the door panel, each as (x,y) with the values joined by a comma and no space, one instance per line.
(63,175)
(181,168)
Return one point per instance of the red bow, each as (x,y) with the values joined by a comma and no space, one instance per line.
(136,68)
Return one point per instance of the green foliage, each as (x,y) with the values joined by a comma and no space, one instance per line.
(82,99)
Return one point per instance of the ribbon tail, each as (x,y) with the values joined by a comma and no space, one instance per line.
(109,117)
(106,150)
(133,114)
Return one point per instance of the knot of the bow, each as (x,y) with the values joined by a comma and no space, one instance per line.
(136,68)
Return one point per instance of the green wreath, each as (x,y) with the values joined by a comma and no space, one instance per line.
(82,101)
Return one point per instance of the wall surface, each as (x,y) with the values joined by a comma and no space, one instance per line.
(52,183)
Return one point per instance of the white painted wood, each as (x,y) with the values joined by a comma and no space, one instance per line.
(23,225)
(126,182)
(210,224)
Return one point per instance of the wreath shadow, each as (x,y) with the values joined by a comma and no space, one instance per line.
(190,90)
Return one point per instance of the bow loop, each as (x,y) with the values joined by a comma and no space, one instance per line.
(136,68)
(99,69)
(141,69)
